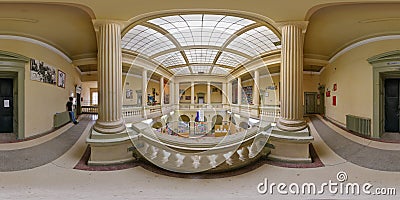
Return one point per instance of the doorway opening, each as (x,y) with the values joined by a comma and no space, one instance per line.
(310,102)
(392,105)
(12,98)
(6,105)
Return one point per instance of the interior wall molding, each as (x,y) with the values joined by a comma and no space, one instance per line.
(37,42)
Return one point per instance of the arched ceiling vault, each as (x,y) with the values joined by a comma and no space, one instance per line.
(199,43)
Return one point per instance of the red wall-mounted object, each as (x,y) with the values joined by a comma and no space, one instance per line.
(328,93)
(334,100)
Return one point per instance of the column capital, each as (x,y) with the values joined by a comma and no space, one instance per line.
(300,24)
(97,23)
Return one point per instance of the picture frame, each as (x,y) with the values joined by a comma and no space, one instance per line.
(61,78)
(129,94)
(42,72)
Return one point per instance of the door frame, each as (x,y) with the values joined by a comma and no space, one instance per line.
(13,66)
(385,65)
(315,102)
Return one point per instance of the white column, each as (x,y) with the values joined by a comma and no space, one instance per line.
(239,91)
(224,93)
(171,92)
(162,91)
(177,94)
(256,89)
(109,79)
(291,118)
(209,93)
(144,88)
(192,93)
(229,96)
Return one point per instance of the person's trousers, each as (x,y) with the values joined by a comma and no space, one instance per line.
(72,116)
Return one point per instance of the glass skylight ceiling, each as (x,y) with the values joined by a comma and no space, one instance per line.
(255,41)
(171,59)
(146,41)
(181,70)
(230,59)
(201,55)
(220,70)
(199,29)
(200,69)
(202,40)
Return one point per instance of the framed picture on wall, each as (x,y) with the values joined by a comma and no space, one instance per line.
(42,72)
(129,94)
(61,79)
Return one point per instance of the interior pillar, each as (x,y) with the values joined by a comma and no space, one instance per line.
(291,136)
(291,118)
(144,88)
(177,94)
(109,140)
(239,91)
(256,90)
(208,93)
(224,93)
(192,93)
(110,80)
(171,92)
(162,91)
(229,95)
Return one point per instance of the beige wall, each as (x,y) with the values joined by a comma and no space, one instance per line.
(42,100)
(156,85)
(85,94)
(216,97)
(273,95)
(353,76)
(133,83)
(310,82)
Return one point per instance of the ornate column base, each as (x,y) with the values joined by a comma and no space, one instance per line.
(108,149)
(109,127)
(291,146)
(291,125)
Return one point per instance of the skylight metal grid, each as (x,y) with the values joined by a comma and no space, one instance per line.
(230,59)
(147,41)
(201,55)
(201,29)
(196,69)
(181,70)
(255,41)
(220,70)
(170,59)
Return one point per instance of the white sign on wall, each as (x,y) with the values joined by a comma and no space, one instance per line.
(6,103)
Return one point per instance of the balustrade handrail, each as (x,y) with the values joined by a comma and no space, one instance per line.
(195,145)
(229,145)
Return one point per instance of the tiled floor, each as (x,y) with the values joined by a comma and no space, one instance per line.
(58,179)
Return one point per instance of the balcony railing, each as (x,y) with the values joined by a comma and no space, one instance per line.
(270,111)
(89,110)
(201,154)
(137,112)
(132,111)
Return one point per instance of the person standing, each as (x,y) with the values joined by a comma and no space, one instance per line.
(71,112)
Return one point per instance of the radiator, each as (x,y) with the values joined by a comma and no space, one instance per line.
(358,124)
(61,118)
